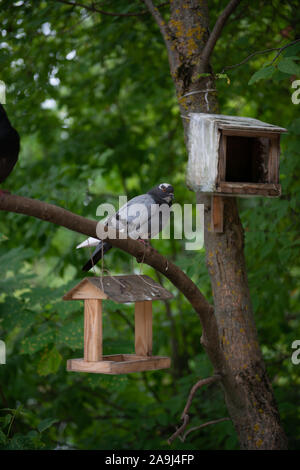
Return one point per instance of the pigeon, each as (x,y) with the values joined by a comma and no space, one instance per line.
(136,218)
(9,146)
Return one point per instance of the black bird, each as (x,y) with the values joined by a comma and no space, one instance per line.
(9,146)
(140,221)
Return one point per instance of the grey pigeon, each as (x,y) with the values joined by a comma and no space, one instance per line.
(141,217)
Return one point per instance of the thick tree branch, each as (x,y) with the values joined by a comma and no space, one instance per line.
(216,33)
(59,216)
(107,13)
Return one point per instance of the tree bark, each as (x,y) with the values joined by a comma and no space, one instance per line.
(247,389)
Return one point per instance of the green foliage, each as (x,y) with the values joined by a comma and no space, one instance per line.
(265,72)
(113,127)
(285,63)
(34,439)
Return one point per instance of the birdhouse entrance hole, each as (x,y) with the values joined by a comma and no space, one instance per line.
(141,290)
(248,163)
(247,159)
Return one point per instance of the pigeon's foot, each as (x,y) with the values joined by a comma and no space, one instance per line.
(145,242)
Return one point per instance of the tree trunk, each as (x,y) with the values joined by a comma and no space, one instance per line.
(234,350)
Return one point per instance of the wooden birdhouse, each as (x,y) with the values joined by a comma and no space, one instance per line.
(142,291)
(233,156)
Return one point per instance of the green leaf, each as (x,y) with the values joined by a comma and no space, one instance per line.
(291,50)
(14,314)
(203,75)
(46,423)
(6,420)
(264,73)
(223,75)
(15,256)
(33,344)
(3,438)
(287,65)
(49,362)
(65,309)
(19,442)
(3,237)
(294,127)
(71,334)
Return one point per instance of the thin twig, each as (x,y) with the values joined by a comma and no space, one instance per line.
(68,30)
(178,432)
(216,32)
(160,21)
(208,423)
(283,48)
(108,13)
(199,384)
(265,51)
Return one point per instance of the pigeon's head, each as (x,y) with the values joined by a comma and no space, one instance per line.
(163,193)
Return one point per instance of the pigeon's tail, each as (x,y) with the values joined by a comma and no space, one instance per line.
(102,248)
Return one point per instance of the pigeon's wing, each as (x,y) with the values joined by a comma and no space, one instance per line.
(132,215)
(160,216)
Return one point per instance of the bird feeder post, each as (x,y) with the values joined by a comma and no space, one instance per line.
(92,330)
(143,328)
(217,211)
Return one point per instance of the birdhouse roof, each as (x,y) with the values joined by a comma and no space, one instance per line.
(236,122)
(120,289)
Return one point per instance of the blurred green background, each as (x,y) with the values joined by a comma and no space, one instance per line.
(94,103)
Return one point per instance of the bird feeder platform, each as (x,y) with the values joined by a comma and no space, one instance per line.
(140,290)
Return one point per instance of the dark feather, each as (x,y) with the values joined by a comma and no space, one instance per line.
(101,249)
(9,146)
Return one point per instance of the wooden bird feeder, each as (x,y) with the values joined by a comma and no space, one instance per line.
(232,156)
(141,290)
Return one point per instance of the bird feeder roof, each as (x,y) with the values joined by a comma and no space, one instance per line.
(120,289)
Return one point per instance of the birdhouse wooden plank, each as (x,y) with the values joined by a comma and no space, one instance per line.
(93,330)
(217,213)
(141,290)
(119,364)
(233,156)
(143,328)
